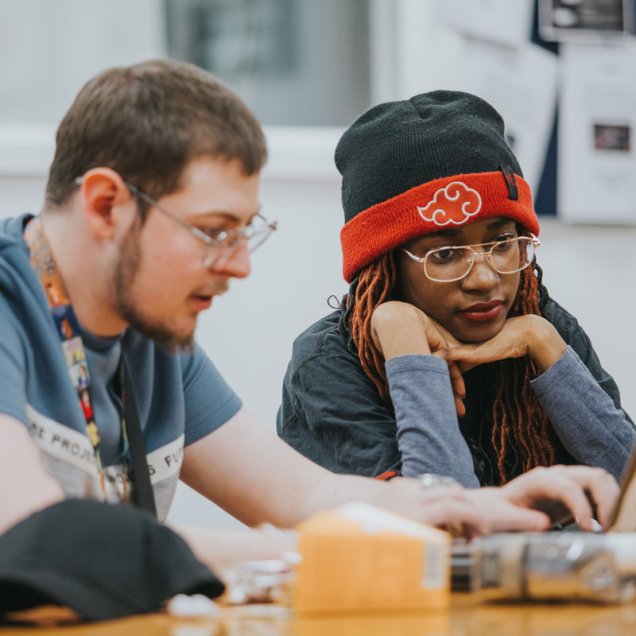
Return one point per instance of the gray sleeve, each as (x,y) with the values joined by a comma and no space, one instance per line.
(428,432)
(583,415)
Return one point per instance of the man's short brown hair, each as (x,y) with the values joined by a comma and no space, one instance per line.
(147,122)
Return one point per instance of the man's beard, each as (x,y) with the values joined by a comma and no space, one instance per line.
(124,277)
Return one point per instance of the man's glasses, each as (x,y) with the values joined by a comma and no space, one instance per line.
(454,262)
(219,243)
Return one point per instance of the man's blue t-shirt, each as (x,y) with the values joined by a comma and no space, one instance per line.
(180,397)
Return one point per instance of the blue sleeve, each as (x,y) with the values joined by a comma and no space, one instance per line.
(209,399)
(13,397)
(592,428)
(428,432)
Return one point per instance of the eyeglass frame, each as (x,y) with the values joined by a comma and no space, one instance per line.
(240,233)
(487,254)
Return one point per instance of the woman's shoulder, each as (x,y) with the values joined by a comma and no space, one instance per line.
(324,337)
(560,317)
(569,329)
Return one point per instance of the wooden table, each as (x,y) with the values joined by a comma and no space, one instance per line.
(467,617)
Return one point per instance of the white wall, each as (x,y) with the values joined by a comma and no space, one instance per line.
(249,332)
(49,48)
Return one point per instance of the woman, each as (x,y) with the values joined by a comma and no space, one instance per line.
(447,355)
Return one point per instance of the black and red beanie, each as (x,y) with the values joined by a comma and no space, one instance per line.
(421,165)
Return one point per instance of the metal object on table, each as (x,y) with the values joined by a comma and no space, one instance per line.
(559,566)
(266,581)
(461,565)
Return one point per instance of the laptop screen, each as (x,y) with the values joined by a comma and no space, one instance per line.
(624,515)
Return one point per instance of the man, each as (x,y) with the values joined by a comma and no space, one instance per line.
(151,209)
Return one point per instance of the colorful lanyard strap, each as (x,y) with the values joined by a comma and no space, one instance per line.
(68,329)
(67,325)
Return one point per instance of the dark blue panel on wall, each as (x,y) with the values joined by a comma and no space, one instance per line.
(545,196)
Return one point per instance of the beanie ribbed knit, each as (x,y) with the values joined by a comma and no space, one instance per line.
(412,167)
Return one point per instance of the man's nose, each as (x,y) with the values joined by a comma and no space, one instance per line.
(234,262)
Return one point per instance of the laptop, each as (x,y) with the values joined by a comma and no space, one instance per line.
(622,519)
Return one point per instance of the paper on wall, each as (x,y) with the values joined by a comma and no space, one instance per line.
(522,85)
(584,20)
(597,134)
(505,22)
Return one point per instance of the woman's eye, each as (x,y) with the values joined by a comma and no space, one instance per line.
(504,244)
(445,254)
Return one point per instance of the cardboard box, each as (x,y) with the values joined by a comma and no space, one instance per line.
(362,558)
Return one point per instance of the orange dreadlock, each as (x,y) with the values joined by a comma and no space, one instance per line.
(518,419)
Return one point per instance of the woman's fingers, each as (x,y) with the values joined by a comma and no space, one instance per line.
(460,407)
(459,388)
(468,356)
(441,342)
(457,379)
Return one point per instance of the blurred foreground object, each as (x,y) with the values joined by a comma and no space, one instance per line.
(561,566)
(358,557)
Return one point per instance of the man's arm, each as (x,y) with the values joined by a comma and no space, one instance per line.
(256,477)
(25,484)
(26,487)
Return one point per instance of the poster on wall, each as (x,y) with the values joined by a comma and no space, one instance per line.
(504,22)
(522,85)
(584,20)
(597,134)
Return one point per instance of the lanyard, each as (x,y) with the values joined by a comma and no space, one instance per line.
(68,330)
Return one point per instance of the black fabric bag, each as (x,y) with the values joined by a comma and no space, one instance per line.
(103,561)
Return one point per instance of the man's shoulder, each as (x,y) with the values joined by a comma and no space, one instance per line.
(19,285)
(11,230)
(14,259)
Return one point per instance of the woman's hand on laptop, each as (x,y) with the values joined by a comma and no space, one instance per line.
(558,493)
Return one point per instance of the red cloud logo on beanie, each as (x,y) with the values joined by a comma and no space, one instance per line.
(453,204)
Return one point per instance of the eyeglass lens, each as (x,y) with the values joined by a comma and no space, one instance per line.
(252,236)
(506,257)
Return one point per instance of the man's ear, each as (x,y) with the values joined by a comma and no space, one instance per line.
(105,201)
